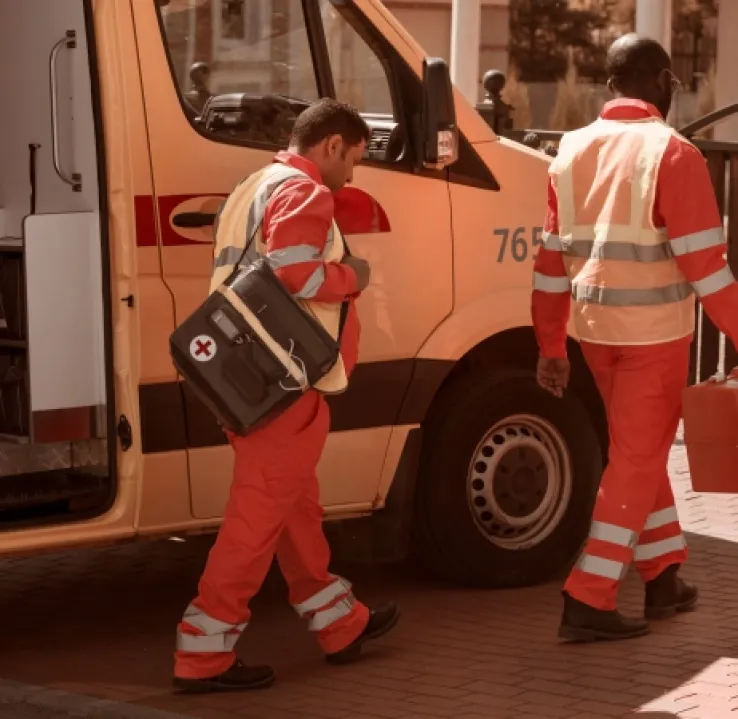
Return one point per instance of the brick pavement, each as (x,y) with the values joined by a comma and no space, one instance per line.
(101,624)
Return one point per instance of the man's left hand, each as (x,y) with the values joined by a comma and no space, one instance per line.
(553,375)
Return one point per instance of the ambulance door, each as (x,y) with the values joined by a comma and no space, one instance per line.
(239,56)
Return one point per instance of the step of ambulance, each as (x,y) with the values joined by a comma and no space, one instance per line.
(46,488)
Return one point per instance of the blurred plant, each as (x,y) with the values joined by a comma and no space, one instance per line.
(574,103)
(706,100)
(516,94)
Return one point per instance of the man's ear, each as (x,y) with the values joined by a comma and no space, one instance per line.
(664,81)
(334,144)
(611,86)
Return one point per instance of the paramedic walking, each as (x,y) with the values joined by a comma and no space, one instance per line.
(633,235)
(274,505)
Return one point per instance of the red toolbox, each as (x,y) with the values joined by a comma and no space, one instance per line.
(711,434)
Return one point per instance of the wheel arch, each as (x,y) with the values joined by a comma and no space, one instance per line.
(517,348)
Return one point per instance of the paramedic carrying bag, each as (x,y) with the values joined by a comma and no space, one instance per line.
(251,349)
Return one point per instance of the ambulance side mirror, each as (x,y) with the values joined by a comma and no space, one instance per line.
(440,134)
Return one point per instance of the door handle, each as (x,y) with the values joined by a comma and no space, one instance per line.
(75,179)
(194,219)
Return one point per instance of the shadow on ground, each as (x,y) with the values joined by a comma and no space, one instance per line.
(102,623)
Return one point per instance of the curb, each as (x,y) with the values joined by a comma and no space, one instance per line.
(16,695)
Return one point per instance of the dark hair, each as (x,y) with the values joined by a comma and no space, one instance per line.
(634,59)
(329,117)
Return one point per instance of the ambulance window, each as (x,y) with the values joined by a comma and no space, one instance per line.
(359,76)
(243,68)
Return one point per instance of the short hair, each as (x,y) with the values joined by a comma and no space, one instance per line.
(328,117)
(634,58)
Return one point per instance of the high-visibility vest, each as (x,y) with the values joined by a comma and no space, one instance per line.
(238,242)
(625,283)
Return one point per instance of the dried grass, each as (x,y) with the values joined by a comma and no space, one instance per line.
(706,100)
(574,106)
(516,94)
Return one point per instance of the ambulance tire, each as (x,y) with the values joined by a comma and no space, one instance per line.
(448,534)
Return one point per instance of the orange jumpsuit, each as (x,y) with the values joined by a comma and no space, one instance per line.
(640,382)
(274,505)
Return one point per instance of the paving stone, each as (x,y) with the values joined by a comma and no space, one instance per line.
(94,628)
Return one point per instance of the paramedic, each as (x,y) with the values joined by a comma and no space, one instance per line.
(274,505)
(633,234)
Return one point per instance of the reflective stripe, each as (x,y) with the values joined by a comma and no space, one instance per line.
(627,298)
(219,636)
(313,284)
(325,596)
(602,567)
(228,256)
(661,518)
(208,644)
(552,242)
(644,552)
(621,251)
(273,178)
(714,283)
(544,283)
(613,534)
(326,617)
(698,241)
(197,618)
(292,256)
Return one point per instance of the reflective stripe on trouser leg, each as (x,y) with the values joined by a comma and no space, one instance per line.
(661,543)
(259,508)
(644,406)
(213,635)
(317,595)
(323,609)
(608,551)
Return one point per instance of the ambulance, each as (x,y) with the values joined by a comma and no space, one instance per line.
(125,125)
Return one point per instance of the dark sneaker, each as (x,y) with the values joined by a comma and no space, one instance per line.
(380,622)
(669,594)
(582,623)
(239,678)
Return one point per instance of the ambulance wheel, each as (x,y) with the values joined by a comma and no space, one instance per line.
(508,479)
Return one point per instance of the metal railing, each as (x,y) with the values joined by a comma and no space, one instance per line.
(711,350)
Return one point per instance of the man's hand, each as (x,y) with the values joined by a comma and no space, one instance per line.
(362,270)
(553,375)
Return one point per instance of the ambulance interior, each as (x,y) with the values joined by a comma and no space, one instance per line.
(54,423)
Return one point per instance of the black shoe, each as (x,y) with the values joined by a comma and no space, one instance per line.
(238,678)
(380,622)
(582,623)
(668,594)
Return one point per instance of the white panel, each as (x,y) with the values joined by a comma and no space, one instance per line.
(28,31)
(65,311)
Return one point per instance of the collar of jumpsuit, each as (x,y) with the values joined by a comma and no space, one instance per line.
(299,162)
(628,108)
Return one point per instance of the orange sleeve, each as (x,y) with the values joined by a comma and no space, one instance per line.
(295,230)
(686,205)
(551,301)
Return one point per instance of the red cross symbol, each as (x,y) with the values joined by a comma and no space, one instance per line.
(203,348)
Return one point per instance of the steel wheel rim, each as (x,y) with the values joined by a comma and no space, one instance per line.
(519,482)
